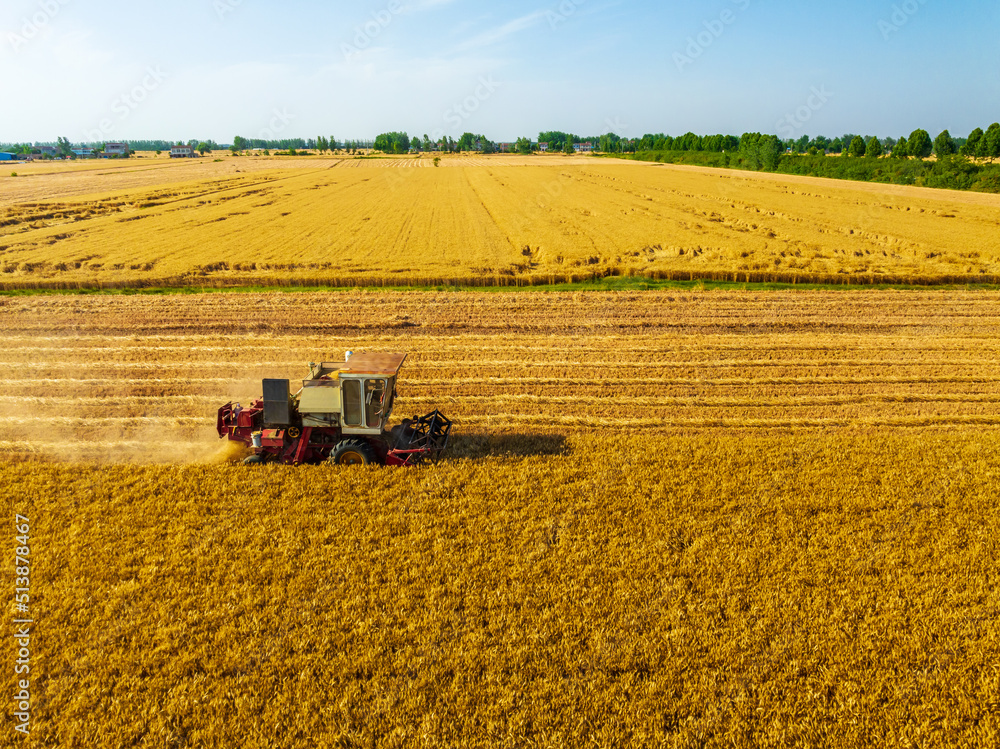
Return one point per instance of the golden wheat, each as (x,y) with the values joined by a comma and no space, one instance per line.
(607,589)
(496,221)
(698,519)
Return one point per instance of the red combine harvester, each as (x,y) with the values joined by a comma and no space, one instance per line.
(338,416)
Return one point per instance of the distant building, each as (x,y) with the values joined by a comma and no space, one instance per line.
(182,152)
(7,156)
(83,153)
(47,151)
(116,149)
(543,147)
(587,147)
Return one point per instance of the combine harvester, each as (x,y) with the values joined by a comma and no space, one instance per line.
(338,416)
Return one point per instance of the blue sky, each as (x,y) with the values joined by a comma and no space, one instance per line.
(110,69)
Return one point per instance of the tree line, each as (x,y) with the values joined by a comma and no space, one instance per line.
(960,163)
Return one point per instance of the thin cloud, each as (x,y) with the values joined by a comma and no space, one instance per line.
(430,4)
(500,33)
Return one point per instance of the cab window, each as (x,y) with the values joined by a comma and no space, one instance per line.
(352,402)
(374,401)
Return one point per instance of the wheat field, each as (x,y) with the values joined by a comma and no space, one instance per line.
(706,518)
(500,220)
(105,376)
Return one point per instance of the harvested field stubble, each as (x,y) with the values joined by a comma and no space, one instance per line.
(707,518)
(115,378)
(484,221)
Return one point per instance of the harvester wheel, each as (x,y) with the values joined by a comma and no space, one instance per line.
(294,432)
(253,460)
(352,453)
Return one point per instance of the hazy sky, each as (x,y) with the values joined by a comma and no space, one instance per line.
(110,69)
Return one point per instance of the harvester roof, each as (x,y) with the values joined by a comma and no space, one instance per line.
(386,365)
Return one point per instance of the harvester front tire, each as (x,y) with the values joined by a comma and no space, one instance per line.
(353,453)
(253,460)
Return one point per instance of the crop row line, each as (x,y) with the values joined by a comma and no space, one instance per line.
(563,342)
(505,420)
(691,401)
(522,381)
(420,355)
(508,363)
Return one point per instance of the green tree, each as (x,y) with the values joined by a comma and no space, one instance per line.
(901,149)
(64,147)
(240,143)
(555,138)
(750,150)
(873,147)
(771,149)
(944,145)
(919,144)
(393,142)
(820,143)
(523,145)
(857,147)
(203,148)
(610,143)
(971,146)
(466,141)
(989,146)
(759,152)
(568,147)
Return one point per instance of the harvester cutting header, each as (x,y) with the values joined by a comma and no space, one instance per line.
(339,415)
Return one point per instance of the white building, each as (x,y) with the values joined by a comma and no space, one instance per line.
(182,152)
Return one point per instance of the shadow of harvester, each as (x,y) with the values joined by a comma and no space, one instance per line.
(477,446)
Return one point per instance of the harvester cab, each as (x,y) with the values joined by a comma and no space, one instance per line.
(340,414)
